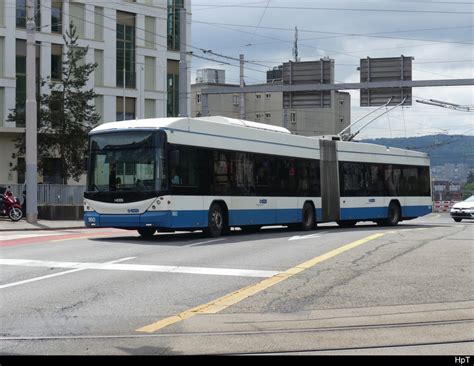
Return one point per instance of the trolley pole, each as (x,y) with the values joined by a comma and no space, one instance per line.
(31,123)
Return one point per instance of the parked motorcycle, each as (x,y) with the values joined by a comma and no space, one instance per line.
(11,206)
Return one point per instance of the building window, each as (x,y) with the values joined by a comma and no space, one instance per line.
(268,115)
(125,49)
(268,96)
(129,108)
(21,14)
(2,55)
(150,32)
(174,7)
(21,170)
(2,13)
(236,99)
(20,82)
(99,107)
(293,117)
(258,96)
(150,69)
(77,16)
(172,87)
(150,108)
(198,98)
(57,16)
(56,62)
(258,116)
(99,23)
(99,71)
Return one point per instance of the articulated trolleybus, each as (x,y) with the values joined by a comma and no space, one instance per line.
(214,173)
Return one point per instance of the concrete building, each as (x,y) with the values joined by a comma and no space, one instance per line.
(144,33)
(303,113)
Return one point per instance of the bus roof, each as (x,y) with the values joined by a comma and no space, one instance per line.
(235,134)
(182,122)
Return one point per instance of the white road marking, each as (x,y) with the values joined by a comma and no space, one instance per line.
(33,263)
(80,266)
(310,236)
(203,242)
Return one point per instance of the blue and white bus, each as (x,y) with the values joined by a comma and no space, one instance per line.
(215,173)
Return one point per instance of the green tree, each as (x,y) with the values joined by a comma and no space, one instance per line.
(66,113)
(470,178)
(468,190)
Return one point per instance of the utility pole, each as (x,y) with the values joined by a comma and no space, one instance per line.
(242,84)
(183,66)
(31,123)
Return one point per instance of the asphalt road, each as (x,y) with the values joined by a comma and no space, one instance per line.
(366,290)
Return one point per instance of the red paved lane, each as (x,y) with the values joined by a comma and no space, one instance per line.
(47,238)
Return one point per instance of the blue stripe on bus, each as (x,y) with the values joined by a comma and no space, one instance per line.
(416,211)
(198,218)
(365,213)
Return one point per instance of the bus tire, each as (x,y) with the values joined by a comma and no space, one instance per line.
(146,232)
(216,221)
(346,223)
(308,217)
(394,214)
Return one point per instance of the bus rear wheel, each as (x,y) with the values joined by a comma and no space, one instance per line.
(394,215)
(216,222)
(146,232)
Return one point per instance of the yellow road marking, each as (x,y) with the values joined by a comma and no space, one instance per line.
(239,295)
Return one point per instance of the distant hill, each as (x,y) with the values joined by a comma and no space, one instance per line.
(442,149)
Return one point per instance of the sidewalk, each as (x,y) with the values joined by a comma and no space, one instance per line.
(7,225)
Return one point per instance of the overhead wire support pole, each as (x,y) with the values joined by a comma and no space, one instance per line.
(242,84)
(373,119)
(31,158)
(183,65)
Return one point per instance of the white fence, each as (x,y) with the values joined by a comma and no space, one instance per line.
(443,206)
(53,194)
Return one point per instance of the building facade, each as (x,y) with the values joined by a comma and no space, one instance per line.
(303,113)
(136,45)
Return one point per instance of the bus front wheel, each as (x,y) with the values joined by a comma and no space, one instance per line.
(309,218)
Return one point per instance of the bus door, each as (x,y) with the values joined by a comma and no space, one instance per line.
(329,181)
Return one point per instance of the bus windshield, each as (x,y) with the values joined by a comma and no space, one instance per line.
(126,161)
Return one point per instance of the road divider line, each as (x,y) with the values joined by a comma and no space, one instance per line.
(230,299)
(54,274)
(113,266)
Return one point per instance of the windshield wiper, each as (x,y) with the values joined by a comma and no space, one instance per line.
(96,187)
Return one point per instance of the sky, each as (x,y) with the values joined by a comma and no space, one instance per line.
(438,34)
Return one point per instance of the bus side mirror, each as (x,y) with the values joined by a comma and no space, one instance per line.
(174,158)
